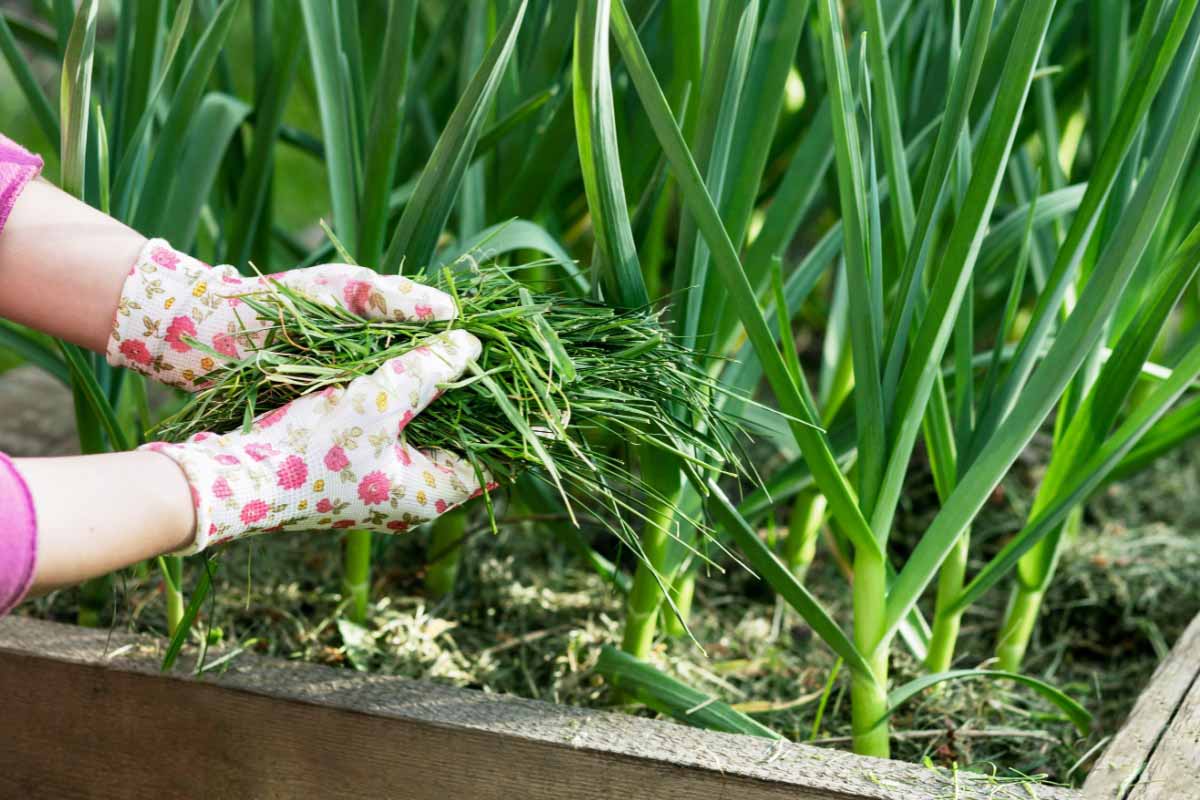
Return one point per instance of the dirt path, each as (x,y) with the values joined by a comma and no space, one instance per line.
(37,417)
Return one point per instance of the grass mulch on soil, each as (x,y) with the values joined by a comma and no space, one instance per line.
(529,619)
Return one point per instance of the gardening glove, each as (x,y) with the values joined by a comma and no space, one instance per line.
(170,298)
(335,458)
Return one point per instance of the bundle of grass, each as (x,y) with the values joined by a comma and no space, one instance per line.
(564,386)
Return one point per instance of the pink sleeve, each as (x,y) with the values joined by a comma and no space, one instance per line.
(17,167)
(18,536)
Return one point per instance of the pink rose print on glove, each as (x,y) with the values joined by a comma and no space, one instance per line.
(397,525)
(164,258)
(343,523)
(260,452)
(270,419)
(324,506)
(423,312)
(220,489)
(227,460)
(335,459)
(254,511)
(180,327)
(358,296)
(402,454)
(136,351)
(293,473)
(440,505)
(225,344)
(407,418)
(374,488)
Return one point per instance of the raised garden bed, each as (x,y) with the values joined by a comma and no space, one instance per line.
(268,727)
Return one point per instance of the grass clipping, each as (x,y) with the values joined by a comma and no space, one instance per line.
(565,387)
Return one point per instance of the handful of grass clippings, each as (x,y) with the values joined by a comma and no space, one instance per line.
(565,386)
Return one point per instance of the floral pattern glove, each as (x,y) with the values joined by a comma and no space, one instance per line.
(170,298)
(335,458)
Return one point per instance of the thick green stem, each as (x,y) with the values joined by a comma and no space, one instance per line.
(868,693)
(443,552)
(645,596)
(173,591)
(356,574)
(683,590)
(661,472)
(1018,627)
(804,528)
(1035,570)
(945,623)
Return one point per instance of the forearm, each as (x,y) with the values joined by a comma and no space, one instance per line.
(62,265)
(97,514)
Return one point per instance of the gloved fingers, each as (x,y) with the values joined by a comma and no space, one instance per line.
(433,482)
(369,294)
(405,385)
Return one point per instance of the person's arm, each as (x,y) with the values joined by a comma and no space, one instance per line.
(97,514)
(62,265)
(322,462)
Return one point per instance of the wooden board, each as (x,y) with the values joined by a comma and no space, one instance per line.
(79,721)
(1156,754)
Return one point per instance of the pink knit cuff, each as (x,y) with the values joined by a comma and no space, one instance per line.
(17,167)
(18,536)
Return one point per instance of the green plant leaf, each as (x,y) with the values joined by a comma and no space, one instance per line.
(615,263)
(1080,717)
(415,238)
(668,696)
(216,122)
(75,97)
(781,579)
(22,71)
(160,176)
(333,97)
(809,437)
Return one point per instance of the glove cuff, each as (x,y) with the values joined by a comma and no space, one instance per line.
(177,316)
(200,474)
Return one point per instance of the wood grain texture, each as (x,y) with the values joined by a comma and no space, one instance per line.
(79,723)
(1173,771)
(1161,731)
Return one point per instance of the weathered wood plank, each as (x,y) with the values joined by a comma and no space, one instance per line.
(1173,771)
(78,723)
(1157,723)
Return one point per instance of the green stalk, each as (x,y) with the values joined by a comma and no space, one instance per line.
(443,553)
(646,594)
(356,574)
(1033,575)
(868,692)
(804,527)
(946,623)
(1018,626)
(683,591)
(173,592)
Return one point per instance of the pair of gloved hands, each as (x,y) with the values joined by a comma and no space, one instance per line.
(333,459)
